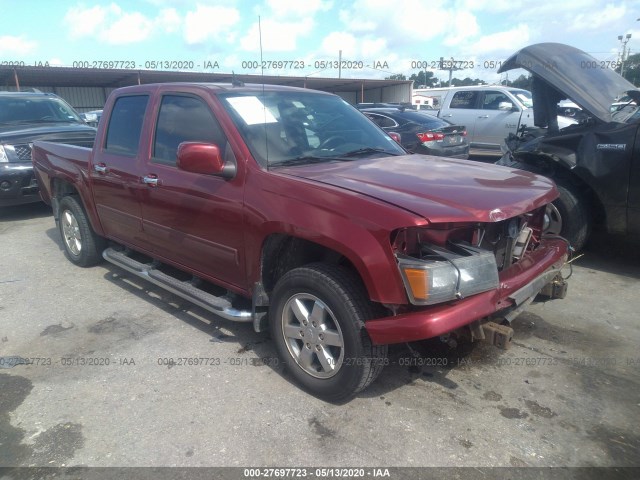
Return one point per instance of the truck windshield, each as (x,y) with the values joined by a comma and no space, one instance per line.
(288,127)
(35,109)
(524,97)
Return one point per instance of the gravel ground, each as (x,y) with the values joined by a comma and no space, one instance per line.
(565,394)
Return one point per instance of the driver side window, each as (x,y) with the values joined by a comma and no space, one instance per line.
(492,100)
(184,118)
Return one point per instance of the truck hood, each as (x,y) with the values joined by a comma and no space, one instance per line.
(575,74)
(437,189)
(25,133)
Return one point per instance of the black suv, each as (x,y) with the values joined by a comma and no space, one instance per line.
(25,117)
(596,163)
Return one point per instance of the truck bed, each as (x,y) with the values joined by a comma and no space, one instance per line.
(70,161)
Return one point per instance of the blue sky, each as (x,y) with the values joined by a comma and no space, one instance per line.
(390,35)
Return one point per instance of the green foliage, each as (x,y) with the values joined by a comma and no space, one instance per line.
(423,79)
(523,81)
(465,82)
(632,69)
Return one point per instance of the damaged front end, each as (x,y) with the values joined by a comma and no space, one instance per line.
(471,280)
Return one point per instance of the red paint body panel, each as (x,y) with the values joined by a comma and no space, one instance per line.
(441,319)
(216,228)
(441,190)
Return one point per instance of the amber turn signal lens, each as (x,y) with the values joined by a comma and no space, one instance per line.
(419,282)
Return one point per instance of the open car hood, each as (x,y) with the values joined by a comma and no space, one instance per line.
(574,73)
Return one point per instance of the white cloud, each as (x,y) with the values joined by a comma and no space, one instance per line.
(112,25)
(297,8)
(336,41)
(493,5)
(210,23)
(598,18)
(416,21)
(465,26)
(506,41)
(169,20)
(85,22)
(129,28)
(10,45)
(277,36)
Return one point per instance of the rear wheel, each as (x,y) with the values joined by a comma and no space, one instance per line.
(81,244)
(317,322)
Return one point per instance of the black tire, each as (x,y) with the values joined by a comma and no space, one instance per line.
(574,216)
(81,244)
(342,306)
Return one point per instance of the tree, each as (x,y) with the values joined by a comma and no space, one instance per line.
(424,79)
(397,76)
(523,81)
(632,69)
(465,82)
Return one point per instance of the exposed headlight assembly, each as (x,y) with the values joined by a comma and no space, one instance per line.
(441,275)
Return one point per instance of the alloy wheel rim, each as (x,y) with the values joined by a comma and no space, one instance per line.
(312,335)
(71,233)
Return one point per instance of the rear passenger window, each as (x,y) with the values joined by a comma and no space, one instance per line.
(381,120)
(184,118)
(464,100)
(125,124)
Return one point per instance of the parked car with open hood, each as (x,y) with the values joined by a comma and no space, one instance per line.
(596,164)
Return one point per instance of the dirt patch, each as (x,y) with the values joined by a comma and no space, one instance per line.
(539,410)
(509,412)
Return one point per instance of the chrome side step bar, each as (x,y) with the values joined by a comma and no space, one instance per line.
(148,271)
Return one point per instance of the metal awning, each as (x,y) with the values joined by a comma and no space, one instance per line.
(24,76)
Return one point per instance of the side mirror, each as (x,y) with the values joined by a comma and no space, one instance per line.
(395,136)
(203,158)
(506,106)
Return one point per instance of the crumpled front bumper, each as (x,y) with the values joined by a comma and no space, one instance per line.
(518,283)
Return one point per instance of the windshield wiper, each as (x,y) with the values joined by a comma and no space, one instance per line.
(304,159)
(365,150)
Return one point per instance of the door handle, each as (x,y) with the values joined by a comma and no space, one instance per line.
(151,180)
(447,115)
(100,168)
(483,116)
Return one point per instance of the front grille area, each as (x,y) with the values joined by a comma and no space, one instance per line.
(23,152)
(501,238)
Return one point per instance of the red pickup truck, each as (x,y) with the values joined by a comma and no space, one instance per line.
(290,209)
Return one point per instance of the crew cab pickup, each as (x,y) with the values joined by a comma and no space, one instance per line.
(489,112)
(290,209)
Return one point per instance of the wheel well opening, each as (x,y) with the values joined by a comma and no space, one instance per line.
(61,188)
(551,168)
(281,253)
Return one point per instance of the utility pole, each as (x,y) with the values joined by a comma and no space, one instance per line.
(450,68)
(625,53)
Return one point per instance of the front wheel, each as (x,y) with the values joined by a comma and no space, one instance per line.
(81,244)
(317,322)
(568,216)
